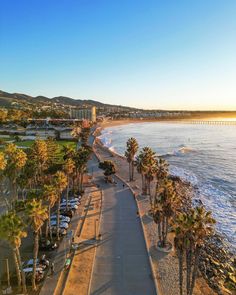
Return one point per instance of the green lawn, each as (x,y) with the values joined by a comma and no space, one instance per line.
(29,143)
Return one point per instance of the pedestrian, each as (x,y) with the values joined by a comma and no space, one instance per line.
(137,214)
(52,268)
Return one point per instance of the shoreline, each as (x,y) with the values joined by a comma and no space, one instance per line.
(216,257)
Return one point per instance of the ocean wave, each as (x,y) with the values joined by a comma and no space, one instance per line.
(182,150)
(184,174)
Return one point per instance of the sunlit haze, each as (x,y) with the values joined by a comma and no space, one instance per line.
(149,54)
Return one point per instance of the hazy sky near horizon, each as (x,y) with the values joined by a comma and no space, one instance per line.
(165,54)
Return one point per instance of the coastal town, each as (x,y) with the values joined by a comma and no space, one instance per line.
(58,181)
(117,147)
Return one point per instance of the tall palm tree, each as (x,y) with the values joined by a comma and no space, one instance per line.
(50,195)
(16,160)
(76,132)
(131,150)
(164,207)
(191,229)
(60,182)
(39,154)
(146,164)
(69,168)
(36,214)
(81,158)
(3,164)
(12,229)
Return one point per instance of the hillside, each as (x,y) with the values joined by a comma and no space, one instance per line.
(11,99)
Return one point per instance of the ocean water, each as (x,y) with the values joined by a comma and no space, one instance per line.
(205,155)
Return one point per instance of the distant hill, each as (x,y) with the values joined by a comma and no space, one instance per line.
(9,99)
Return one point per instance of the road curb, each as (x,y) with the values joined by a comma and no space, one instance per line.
(94,255)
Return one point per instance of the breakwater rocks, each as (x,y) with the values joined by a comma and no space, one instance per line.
(218,266)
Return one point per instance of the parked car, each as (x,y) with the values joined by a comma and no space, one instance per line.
(41,264)
(28,274)
(62,231)
(74,202)
(62,218)
(70,206)
(68,212)
(61,225)
(47,245)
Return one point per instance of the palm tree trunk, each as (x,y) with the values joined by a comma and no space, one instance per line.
(36,246)
(166,228)
(159,231)
(163,232)
(195,266)
(189,267)
(130,176)
(58,217)
(180,257)
(22,272)
(49,223)
(81,181)
(46,228)
(17,267)
(67,193)
(142,182)
(132,171)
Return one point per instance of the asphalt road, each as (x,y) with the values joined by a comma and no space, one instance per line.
(121,263)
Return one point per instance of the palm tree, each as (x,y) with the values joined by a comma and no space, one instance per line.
(12,230)
(191,230)
(60,181)
(3,164)
(50,195)
(69,168)
(16,160)
(81,158)
(39,155)
(164,207)
(76,132)
(36,214)
(109,169)
(3,161)
(132,148)
(146,164)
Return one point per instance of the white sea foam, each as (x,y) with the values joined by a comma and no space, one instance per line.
(201,155)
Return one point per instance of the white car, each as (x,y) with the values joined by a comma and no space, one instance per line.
(41,265)
(61,225)
(61,217)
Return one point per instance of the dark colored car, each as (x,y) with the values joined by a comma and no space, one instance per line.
(46,245)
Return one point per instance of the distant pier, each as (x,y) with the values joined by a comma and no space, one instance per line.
(204,122)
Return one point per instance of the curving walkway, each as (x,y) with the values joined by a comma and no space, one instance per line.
(121,264)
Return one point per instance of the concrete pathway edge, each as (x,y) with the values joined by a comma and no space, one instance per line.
(99,223)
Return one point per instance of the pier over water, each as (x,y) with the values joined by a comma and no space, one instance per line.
(206,122)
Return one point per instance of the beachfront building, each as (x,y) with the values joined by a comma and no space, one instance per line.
(83,114)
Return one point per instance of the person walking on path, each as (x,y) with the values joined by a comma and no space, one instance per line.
(52,268)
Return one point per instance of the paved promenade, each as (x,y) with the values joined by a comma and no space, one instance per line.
(121,262)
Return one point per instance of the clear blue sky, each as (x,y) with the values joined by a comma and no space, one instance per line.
(168,54)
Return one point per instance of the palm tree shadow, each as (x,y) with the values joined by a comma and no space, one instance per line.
(146,219)
(103,288)
(156,254)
